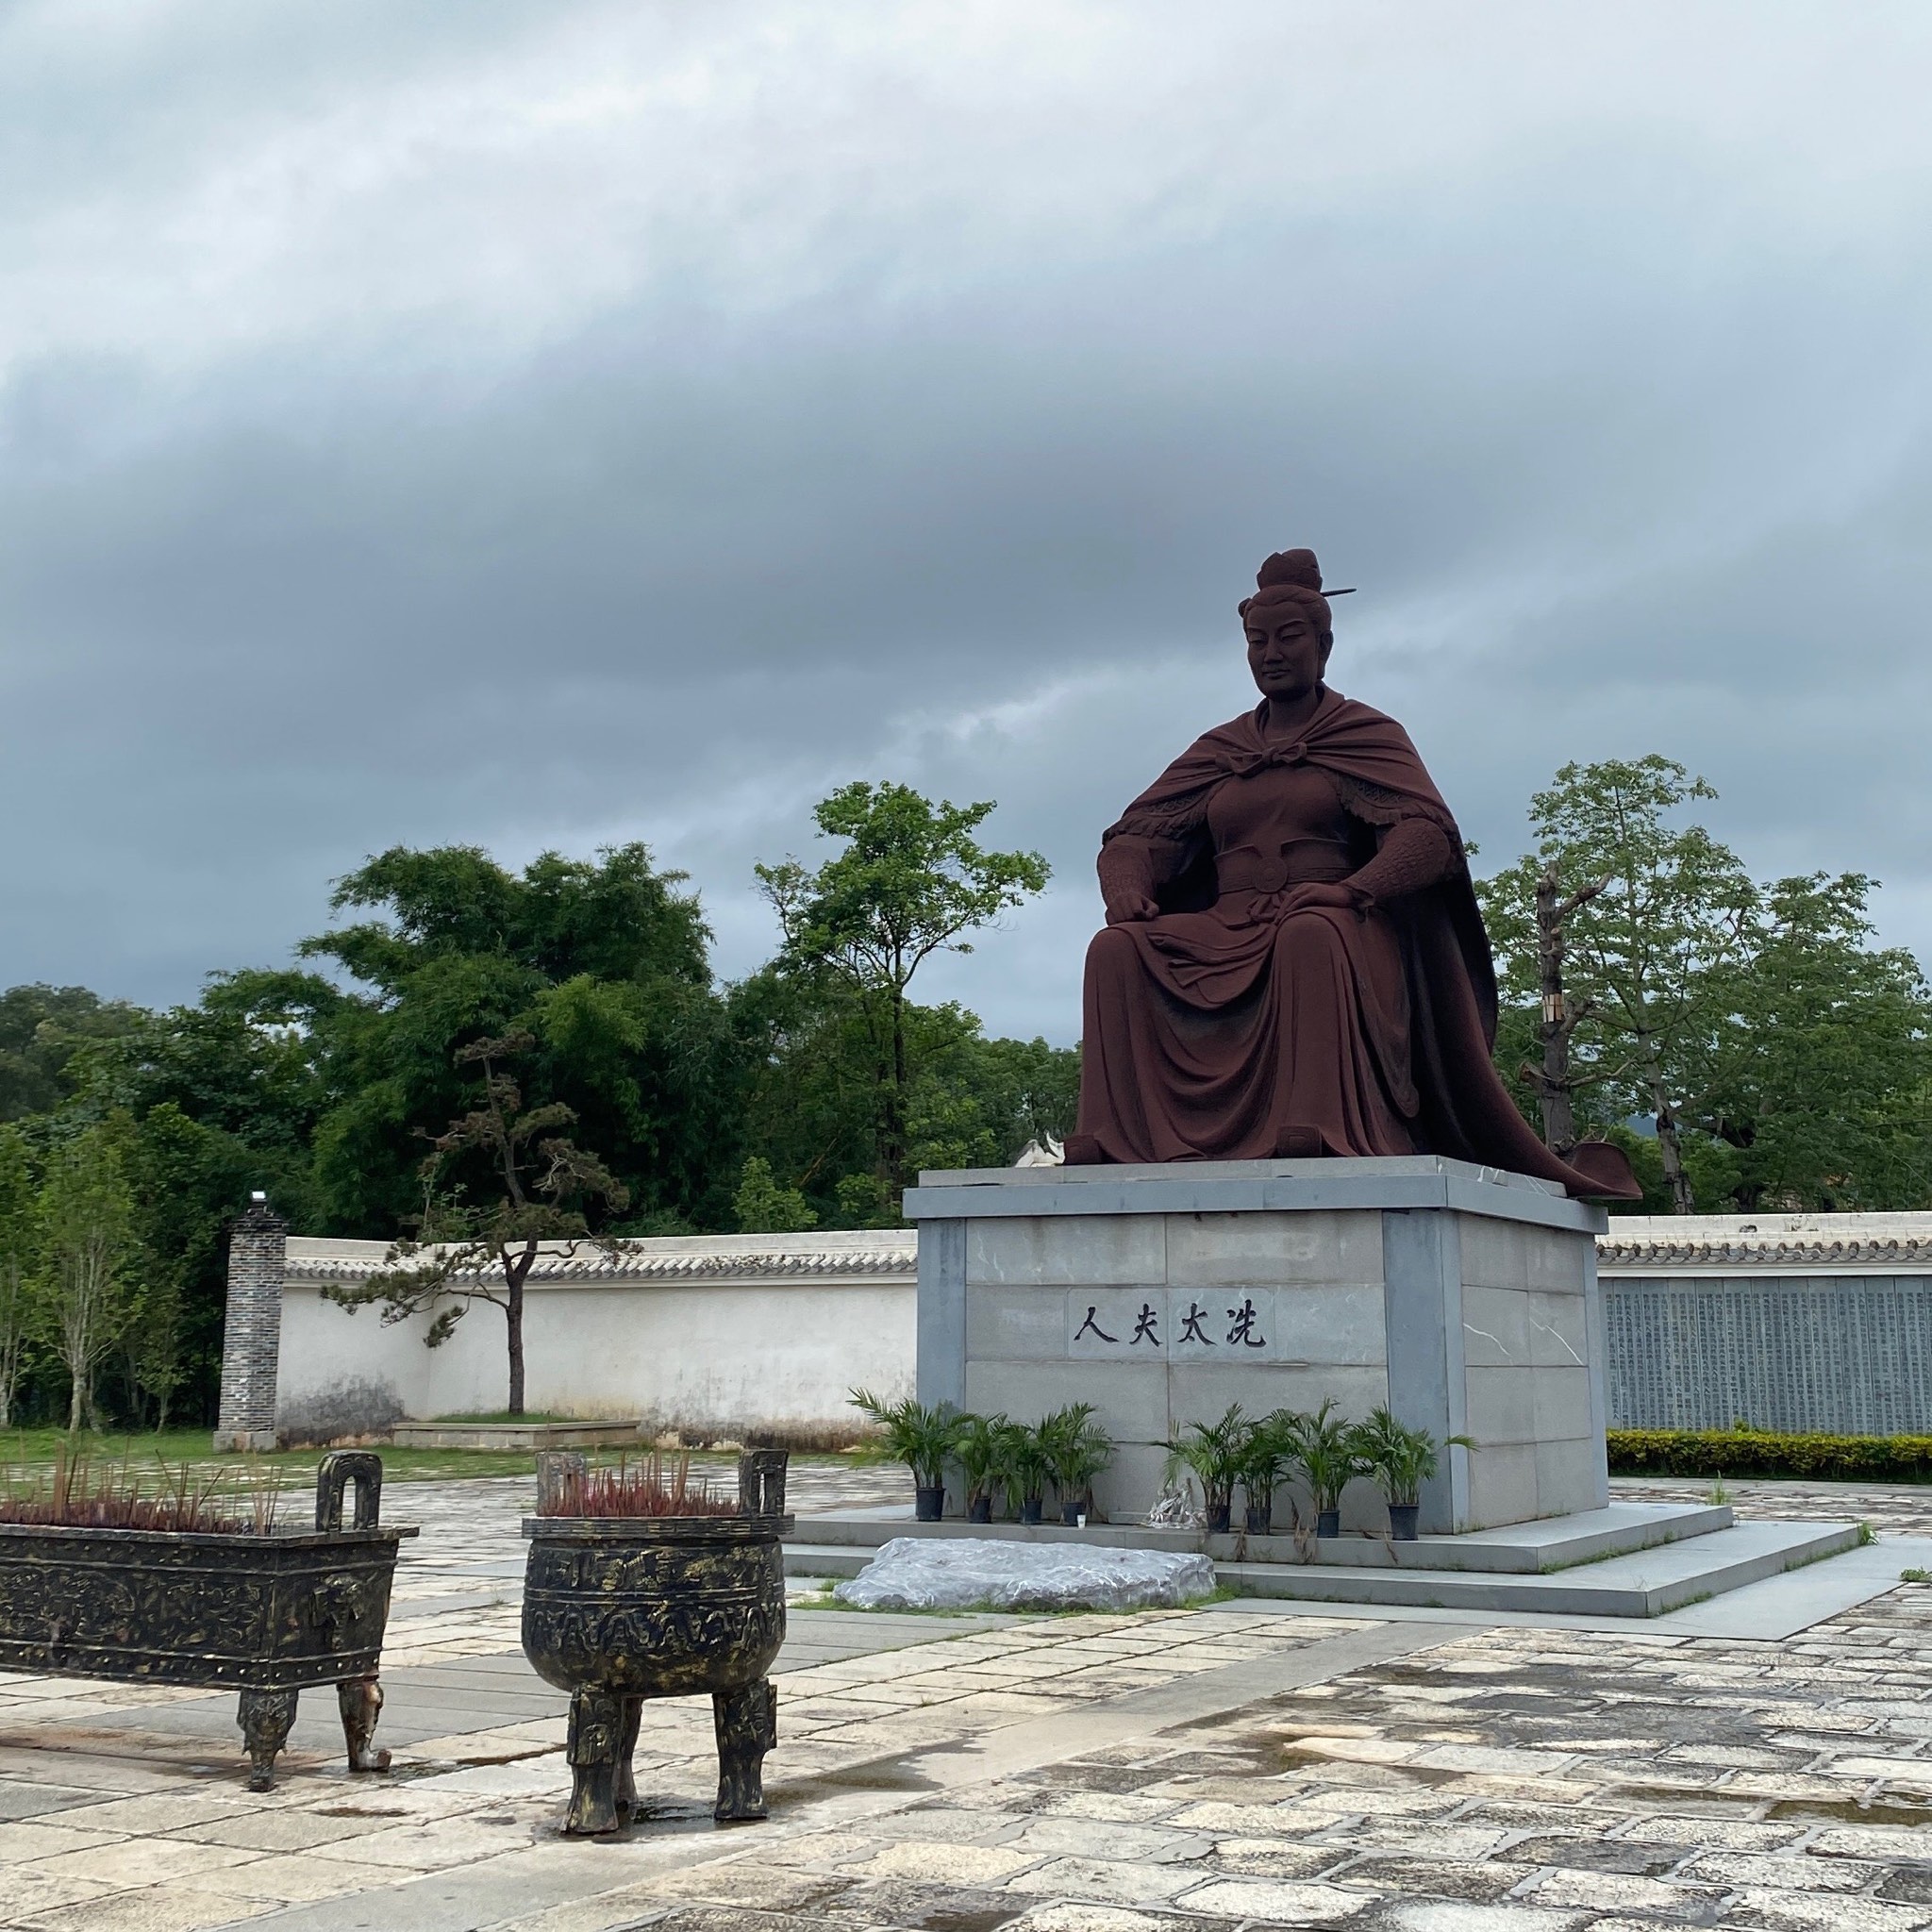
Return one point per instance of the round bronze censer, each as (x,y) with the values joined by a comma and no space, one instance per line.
(617,1609)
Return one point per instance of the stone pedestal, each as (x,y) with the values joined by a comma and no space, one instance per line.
(1463,1296)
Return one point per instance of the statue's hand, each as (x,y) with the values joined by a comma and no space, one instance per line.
(1318,892)
(1131,909)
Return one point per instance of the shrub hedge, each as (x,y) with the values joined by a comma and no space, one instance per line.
(1744,1451)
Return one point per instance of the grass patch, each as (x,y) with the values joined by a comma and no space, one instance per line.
(1816,1556)
(30,1449)
(1608,1555)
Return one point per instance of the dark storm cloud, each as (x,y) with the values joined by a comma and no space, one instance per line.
(550,427)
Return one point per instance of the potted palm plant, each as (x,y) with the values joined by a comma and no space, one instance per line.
(1212,1453)
(1322,1449)
(1077,1449)
(921,1438)
(1401,1460)
(1264,1460)
(1024,1469)
(980,1452)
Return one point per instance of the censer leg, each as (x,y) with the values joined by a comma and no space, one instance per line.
(360,1699)
(596,1723)
(266,1718)
(747,1726)
(633,1709)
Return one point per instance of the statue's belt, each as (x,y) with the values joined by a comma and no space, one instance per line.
(1298,863)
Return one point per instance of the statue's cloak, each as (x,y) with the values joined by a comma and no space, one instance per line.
(1466,1112)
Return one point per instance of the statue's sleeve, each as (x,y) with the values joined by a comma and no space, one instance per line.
(1155,837)
(1175,821)
(1132,869)
(1414,853)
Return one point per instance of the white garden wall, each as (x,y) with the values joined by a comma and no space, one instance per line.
(1796,1321)
(713,1336)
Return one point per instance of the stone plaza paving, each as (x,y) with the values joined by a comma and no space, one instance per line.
(1247,1764)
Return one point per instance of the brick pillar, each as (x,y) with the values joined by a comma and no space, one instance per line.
(252,1334)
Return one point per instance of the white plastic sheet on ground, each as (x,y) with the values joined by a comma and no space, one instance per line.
(980,1574)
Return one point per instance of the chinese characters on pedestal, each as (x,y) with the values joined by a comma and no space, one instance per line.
(1150,1324)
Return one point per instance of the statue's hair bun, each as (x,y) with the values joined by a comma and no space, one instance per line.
(1293,570)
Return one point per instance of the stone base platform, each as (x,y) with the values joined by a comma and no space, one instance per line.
(1647,1583)
(1464,1297)
(1630,1560)
(1557,1542)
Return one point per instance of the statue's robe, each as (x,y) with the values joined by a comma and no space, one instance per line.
(1230,1028)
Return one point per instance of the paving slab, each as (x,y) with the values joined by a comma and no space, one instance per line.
(486,1692)
(1760,1761)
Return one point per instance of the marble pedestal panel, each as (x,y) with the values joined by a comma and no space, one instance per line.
(1463,1296)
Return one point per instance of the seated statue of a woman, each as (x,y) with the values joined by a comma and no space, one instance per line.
(1293,963)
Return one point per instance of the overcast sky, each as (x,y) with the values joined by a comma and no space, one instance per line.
(555,423)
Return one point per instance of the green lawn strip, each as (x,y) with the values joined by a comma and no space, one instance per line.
(26,1454)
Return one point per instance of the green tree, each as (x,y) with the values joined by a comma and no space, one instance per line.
(1817,1077)
(810,1107)
(810,1101)
(911,881)
(89,1284)
(602,962)
(245,1061)
(17,1232)
(541,1184)
(188,1181)
(1659,918)
(221,1097)
(976,1102)
(42,1029)
(764,1208)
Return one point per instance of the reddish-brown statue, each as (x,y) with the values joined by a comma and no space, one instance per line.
(1293,962)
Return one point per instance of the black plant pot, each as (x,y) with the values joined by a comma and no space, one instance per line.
(980,1510)
(1070,1512)
(928,1505)
(1218,1516)
(1328,1523)
(1402,1521)
(1260,1519)
(1029,1510)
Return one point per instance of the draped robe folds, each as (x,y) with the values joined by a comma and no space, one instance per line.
(1231,1028)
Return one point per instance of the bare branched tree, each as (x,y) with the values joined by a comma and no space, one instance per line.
(460,1255)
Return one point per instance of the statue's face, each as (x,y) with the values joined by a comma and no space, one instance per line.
(1286,653)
